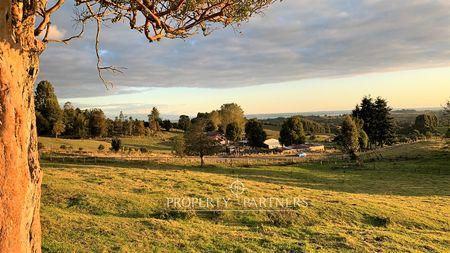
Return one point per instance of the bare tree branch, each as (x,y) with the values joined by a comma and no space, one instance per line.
(156,19)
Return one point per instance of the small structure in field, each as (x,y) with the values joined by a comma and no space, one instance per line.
(218,137)
(272,143)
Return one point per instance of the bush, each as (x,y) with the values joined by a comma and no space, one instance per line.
(62,146)
(143,150)
(404,139)
(447,134)
(116,144)
(282,218)
(40,145)
(174,214)
(415,135)
(80,149)
(377,221)
(101,147)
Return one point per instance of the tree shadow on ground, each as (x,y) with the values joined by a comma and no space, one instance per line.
(420,177)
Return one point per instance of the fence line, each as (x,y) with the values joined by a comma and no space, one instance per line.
(335,161)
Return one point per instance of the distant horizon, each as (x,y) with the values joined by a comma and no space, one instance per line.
(261,116)
(321,56)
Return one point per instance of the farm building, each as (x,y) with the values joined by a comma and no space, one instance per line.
(218,137)
(272,143)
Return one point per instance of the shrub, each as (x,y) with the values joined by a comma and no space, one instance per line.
(143,150)
(282,218)
(415,135)
(62,146)
(447,134)
(404,139)
(40,145)
(378,221)
(174,214)
(80,149)
(116,144)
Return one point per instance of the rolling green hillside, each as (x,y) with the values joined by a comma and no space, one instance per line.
(398,204)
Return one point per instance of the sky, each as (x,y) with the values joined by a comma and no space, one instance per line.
(299,56)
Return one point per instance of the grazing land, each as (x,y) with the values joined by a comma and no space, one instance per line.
(157,144)
(398,200)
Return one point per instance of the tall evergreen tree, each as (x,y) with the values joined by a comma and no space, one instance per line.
(292,132)
(255,133)
(349,137)
(384,123)
(48,108)
(153,120)
(377,120)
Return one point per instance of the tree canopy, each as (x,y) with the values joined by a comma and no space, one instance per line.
(349,137)
(233,132)
(426,123)
(255,133)
(198,143)
(184,122)
(48,111)
(377,120)
(292,132)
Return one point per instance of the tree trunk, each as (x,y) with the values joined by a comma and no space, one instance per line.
(20,173)
(202,161)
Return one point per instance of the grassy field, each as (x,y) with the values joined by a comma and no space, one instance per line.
(400,203)
(156,144)
(87,145)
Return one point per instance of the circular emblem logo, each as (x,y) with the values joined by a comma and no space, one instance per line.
(237,187)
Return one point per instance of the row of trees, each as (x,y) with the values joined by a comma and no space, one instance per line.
(52,120)
(371,125)
(76,123)
(73,122)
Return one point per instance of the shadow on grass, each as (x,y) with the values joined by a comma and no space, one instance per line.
(427,176)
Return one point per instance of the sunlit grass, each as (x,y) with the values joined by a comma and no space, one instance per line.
(381,206)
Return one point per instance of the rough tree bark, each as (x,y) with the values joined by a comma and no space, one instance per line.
(20,173)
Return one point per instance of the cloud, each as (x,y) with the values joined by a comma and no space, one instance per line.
(56,34)
(293,40)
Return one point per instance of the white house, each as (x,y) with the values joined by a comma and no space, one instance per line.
(273,143)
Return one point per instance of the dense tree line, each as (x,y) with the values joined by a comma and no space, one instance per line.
(52,120)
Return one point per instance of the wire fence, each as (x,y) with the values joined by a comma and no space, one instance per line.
(330,161)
